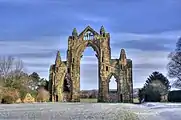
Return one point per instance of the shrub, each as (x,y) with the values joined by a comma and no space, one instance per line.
(152,96)
(43,95)
(7,99)
(9,95)
(23,93)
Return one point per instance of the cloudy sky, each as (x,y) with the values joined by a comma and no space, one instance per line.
(34,30)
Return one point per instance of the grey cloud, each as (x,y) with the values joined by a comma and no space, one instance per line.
(37,65)
(35,55)
(152,66)
(147,44)
(38,54)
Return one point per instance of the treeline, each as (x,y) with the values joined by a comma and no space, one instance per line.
(15,82)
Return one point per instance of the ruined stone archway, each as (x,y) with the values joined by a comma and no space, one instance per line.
(100,42)
(114,96)
(77,61)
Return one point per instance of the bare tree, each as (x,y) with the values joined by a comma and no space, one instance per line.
(174,65)
(10,67)
(6,65)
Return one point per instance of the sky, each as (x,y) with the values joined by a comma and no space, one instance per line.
(147,29)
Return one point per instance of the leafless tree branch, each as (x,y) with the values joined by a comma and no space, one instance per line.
(10,67)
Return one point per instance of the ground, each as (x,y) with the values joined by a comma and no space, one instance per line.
(90,111)
(94,100)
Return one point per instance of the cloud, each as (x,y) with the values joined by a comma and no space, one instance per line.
(147,42)
(37,65)
(149,66)
(37,55)
(36,47)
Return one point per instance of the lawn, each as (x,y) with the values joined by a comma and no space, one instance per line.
(135,100)
(88,100)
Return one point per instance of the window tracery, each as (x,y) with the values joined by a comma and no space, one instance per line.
(88,35)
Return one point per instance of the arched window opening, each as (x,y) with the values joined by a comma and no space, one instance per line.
(88,35)
(113,96)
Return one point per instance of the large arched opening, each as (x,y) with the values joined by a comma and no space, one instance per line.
(88,75)
(89,71)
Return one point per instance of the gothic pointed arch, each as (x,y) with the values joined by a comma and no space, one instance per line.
(112,75)
(83,46)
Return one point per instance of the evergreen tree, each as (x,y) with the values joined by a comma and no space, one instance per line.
(155,86)
(158,77)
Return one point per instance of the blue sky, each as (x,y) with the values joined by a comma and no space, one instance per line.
(147,29)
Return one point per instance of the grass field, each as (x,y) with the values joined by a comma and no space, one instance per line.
(88,100)
(135,100)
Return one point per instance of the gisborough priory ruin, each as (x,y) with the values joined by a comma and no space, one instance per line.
(64,76)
